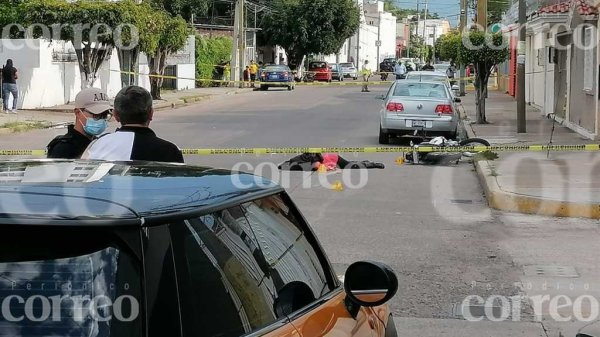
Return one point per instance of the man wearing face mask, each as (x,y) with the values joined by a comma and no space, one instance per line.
(93,111)
(134,140)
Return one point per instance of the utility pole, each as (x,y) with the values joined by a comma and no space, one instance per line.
(242,40)
(521,116)
(418,21)
(434,36)
(407,44)
(357,47)
(482,13)
(378,42)
(237,59)
(425,29)
(463,23)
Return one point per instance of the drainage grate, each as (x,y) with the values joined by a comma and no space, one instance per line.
(550,270)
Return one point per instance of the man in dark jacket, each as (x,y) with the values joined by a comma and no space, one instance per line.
(428,67)
(92,114)
(134,140)
(9,86)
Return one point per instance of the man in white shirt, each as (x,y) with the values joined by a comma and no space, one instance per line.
(400,71)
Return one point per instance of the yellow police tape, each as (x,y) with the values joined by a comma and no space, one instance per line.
(390,149)
(258,82)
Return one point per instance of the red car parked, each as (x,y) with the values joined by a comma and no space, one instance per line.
(321,71)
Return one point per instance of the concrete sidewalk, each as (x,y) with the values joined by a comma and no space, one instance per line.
(61,115)
(559,184)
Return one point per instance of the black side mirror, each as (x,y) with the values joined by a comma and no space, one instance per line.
(368,284)
(381,97)
(457,100)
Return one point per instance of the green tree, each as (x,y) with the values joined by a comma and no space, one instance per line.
(144,38)
(185,8)
(416,46)
(304,27)
(448,46)
(210,51)
(401,13)
(484,51)
(92,39)
(10,13)
(174,32)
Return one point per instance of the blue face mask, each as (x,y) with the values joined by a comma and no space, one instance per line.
(95,127)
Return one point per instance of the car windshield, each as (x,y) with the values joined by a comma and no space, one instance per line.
(420,90)
(318,65)
(86,283)
(346,65)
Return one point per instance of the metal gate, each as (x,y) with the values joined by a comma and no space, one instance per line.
(170,83)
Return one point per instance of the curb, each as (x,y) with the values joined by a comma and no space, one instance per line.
(173,104)
(519,203)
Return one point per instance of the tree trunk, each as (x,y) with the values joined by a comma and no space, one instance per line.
(481,78)
(295,59)
(128,62)
(90,59)
(478,102)
(157,64)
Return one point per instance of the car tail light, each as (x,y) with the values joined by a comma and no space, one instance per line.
(392,106)
(444,109)
(285,73)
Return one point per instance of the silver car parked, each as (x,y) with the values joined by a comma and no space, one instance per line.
(349,70)
(433,76)
(424,106)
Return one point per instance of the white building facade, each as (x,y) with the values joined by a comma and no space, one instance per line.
(434,28)
(49,72)
(375,39)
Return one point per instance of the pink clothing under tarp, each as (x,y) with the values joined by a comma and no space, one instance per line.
(330,161)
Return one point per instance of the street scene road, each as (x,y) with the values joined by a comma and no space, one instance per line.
(431,224)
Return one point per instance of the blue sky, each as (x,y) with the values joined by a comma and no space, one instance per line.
(444,8)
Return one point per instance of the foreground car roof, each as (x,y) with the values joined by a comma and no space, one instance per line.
(117,193)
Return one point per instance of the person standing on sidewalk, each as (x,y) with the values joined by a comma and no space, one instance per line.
(227,74)
(134,140)
(366,73)
(451,72)
(253,72)
(246,76)
(92,114)
(9,86)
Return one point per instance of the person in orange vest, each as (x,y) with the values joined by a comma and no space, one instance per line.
(253,72)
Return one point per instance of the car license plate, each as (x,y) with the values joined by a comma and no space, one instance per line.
(274,77)
(418,123)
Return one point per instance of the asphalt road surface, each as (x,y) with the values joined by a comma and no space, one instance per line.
(419,220)
(431,224)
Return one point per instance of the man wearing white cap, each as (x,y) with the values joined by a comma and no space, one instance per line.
(92,111)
